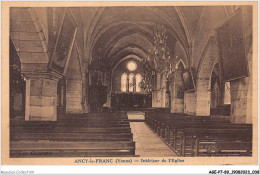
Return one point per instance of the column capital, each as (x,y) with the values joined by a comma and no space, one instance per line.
(52,75)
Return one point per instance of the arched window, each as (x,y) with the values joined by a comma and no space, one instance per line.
(138,78)
(123,82)
(131,82)
(227,97)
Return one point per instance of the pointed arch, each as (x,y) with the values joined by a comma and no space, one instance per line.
(181,62)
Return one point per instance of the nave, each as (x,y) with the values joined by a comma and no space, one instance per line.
(77,72)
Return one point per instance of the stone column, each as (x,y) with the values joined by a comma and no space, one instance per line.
(156,94)
(163,90)
(190,103)
(41,98)
(74,96)
(154,99)
(209,57)
(177,102)
(172,85)
(86,89)
(203,103)
(108,103)
(241,96)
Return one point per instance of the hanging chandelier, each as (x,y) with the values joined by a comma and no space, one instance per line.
(159,60)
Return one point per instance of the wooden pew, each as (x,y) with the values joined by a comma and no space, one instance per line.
(179,142)
(200,140)
(100,134)
(228,149)
(77,119)
(173,128)
(94,119)
(170,128)
(163,125)
(71,149)
(69,130)
(70,123)
(175,139)
(90,137)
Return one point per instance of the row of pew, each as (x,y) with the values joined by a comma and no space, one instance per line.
(92,135)
(191,136)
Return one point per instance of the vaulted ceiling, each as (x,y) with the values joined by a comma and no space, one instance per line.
(115,33)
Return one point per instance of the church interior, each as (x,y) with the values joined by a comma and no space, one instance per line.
(131,81)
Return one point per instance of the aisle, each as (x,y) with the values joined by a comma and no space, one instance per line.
(135,116)
(148,144)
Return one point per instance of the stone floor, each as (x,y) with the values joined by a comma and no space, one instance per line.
(148,144)
(135,115)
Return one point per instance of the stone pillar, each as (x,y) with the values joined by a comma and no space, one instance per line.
(241,96)
(41,99)
(156,94)
(74,96)
(209,57)
(171,87)
(190,103)
(177,105)
(154,99)
(163,90)
(86,89)
(238,90)
(177,101)
(203,103)
(108,103)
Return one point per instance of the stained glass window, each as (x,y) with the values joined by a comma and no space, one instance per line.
(138,78)
(123,82)
(131,82)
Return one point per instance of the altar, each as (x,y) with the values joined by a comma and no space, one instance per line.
(131,101)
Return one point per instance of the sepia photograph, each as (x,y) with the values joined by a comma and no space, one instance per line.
(121,84)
